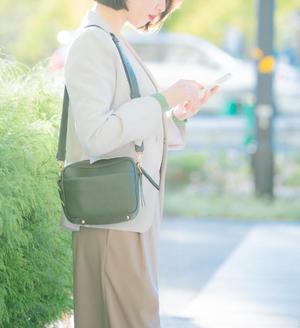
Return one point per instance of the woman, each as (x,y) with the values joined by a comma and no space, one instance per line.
(115,265)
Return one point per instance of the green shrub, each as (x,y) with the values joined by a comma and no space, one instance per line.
(35,256)
(220,184)
(181,168)
(218,170)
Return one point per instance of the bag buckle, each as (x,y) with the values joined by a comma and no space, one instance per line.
(61,165)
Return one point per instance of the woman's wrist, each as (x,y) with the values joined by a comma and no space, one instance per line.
(177,120)
(165,107)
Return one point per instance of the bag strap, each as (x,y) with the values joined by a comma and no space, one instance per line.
(134,93)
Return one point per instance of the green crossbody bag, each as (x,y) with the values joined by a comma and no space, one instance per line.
(108,190)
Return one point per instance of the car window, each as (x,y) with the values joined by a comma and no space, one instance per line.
(170,53)
(184,55)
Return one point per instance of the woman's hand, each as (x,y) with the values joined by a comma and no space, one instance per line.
(188,95)
(187,109)
(183,90)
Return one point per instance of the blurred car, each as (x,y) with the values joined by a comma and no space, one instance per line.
(172,56)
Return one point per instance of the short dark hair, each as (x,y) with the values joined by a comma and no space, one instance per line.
(114,4)
(122,4)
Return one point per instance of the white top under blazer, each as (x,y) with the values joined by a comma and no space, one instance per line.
(105,122)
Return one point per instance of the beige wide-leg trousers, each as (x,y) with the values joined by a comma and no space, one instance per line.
(115,278)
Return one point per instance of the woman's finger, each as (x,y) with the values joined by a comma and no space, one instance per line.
(205,96)
(214,90)
(190,109)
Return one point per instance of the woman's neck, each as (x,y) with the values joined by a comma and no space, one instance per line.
(114,18)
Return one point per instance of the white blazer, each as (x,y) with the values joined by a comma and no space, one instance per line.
(105,122)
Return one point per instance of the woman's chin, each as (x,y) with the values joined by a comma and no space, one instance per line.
(138,24)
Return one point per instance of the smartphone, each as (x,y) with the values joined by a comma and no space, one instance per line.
(219,81)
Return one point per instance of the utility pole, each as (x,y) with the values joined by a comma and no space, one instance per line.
(263,159)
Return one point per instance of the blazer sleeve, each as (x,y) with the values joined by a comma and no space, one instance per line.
(90,77)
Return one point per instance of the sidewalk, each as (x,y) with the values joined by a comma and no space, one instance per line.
(228,274)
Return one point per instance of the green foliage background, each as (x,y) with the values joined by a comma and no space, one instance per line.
(209,18)
(35,257)
(28,28)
